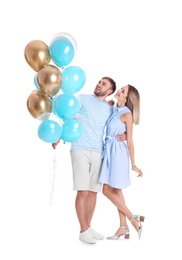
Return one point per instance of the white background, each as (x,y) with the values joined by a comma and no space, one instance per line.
(135,42)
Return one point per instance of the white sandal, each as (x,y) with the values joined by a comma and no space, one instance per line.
(139,218)
(126,235)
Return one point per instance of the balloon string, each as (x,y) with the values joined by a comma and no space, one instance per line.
(53,178)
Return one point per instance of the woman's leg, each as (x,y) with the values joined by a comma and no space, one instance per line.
(117,198)
(123,223)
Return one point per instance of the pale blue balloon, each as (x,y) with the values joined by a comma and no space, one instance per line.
(36,83)
(49,131)
(67,36)
(62,51)
(71,130)
(65,106)
(73,79)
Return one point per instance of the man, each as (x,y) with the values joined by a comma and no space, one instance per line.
(86,154)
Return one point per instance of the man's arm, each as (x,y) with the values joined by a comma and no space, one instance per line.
(121,137)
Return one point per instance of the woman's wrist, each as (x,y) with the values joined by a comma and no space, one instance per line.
(133,167)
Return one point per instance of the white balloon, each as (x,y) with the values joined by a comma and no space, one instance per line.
(67,36)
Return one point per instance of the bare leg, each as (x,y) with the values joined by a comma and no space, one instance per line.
(117,198)
(91,203)
(85,205)
(123,223)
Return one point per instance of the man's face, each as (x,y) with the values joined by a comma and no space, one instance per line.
(103,88)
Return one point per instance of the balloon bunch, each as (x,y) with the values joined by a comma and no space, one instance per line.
(53,101)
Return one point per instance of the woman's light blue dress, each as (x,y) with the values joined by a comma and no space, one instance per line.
(115,167)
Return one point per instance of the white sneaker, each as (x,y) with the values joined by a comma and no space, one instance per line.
(95,235)
(87,237)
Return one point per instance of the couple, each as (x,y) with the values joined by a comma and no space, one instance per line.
(96,161)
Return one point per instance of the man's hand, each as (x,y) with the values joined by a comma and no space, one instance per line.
(121,137)
(55,144)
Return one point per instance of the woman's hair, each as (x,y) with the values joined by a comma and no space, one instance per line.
(113,83)
(133,103)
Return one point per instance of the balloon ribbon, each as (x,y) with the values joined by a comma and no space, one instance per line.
(54,169)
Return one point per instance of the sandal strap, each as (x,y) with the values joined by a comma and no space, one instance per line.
(127,228)
(123,227)
(137,217)
(132,217)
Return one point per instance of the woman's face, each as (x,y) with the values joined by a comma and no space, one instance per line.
(121,94)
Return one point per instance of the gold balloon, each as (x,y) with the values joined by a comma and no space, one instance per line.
(38,103)
(37,54)
(49,80)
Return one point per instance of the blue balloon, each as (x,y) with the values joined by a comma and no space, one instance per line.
(65,106)
(67,36)
(36,83)
(62,51)
(49,131)
(71,130)
(73,79)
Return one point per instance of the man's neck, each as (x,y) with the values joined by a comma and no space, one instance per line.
(101,98)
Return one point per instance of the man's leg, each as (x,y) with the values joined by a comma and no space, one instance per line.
(85,206)
(91,203)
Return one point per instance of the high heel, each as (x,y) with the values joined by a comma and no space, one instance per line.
(139,219)
(126,235)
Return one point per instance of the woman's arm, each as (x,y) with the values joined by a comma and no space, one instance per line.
(129,126)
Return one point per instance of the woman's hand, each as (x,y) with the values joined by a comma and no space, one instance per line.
(139,171)
(111,102)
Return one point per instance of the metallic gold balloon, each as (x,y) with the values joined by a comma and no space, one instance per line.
(49,80)
(38,103)
(37,54)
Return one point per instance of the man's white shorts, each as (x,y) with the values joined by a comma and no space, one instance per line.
(86,166)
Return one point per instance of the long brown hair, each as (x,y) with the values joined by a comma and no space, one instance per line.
(133,103)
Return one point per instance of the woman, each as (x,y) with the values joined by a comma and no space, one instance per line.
(117,156)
